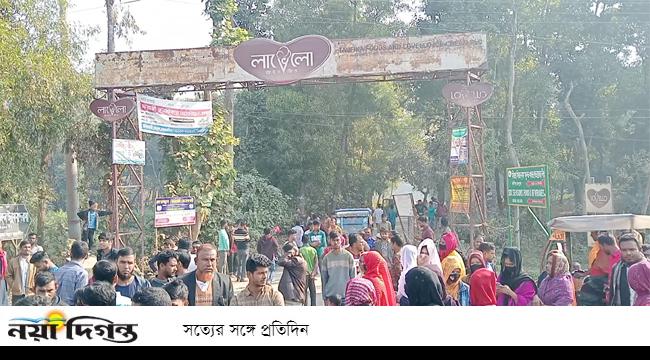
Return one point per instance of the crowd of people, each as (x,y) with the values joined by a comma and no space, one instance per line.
(355,269)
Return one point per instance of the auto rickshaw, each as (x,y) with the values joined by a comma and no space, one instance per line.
(560,239)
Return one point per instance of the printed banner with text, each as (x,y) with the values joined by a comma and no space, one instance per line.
(174,118)
(460,194)
(459,150)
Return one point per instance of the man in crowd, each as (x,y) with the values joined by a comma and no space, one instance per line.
(178,292)
(336,270)
(33,239)
(299,233)
(489,254)
(184,260)
(383,245)
(128,283)
(72,276)
(167,263)
(293,281)
(426,232)
(168,245)
(310,256)
(105,250)
(90,218)
(45,285)
(106,271)
(205,285)
(620,293)
(20,273)
(395,266)
(223,247)
(268,246)
(377,215)
(151,296)
(368,238)
(242,239)
(317,238)
(42,262)
(96,294)
(258,292)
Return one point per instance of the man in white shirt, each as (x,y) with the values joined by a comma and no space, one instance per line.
(299,233)
(376,215)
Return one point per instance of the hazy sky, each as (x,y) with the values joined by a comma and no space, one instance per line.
(169,24)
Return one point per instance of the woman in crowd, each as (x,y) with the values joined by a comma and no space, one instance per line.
(409,261)
(514,287)
(453,270)
(428,256)
(639,279)
(423,287)
(360,292)
(483,288)
(556,289)
(375,269)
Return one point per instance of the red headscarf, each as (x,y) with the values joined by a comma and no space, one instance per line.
(451,242)
(377,272)
(483,288)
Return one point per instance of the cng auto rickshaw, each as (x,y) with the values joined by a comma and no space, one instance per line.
(591,289)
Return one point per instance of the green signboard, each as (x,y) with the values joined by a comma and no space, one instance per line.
(528,186)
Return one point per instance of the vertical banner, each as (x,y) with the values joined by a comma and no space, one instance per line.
(459,150)
(128,152)
(460,193)
(599,198)
(174,118)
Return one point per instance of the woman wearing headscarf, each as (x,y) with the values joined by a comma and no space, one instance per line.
(638,276)
(483,288)
(375,269)
(514,287)
(409,261)
(453,270)
(428,256)
(360,292)
(423,287)
(557,289)
(475,262)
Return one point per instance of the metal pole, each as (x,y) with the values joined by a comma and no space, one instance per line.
(509,225)
(470,169)
(115,218)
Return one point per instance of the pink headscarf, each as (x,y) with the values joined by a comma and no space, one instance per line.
(451,242)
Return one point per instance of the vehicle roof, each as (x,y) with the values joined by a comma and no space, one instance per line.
(586,223)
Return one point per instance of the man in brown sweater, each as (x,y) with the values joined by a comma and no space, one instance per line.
(293,282)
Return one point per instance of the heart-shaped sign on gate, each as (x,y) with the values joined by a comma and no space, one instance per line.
(599,198)
(112,111)
(283,63)
(467,96)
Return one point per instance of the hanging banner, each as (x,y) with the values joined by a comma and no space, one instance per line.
(174,118)
(599,198)
(174,211)
(528,186)
(459,150)
(128,152)
(460,194)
